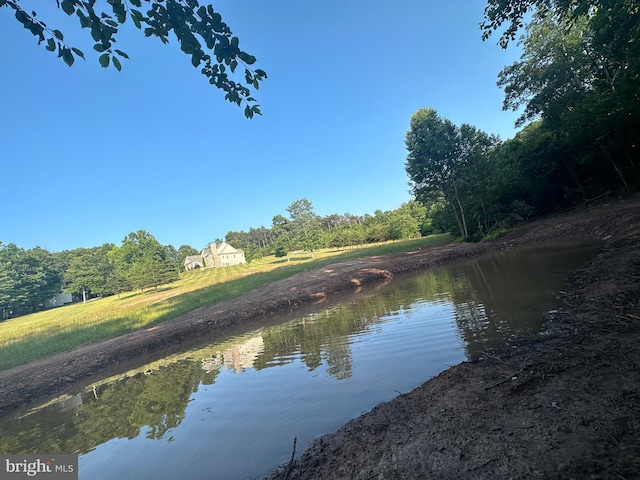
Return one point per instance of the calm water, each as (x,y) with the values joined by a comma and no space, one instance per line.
(231,410)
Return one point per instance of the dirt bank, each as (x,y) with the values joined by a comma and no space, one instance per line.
(564,406)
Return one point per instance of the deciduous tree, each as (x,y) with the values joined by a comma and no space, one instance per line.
(199,30)
(306,230)
(439,153)
(28,278)
(579,73)
(143,262)
(90,271)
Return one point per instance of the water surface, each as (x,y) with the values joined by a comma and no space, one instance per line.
(231,410)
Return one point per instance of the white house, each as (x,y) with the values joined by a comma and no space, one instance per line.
(222,255)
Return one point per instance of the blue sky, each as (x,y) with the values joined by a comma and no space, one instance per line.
(88,154)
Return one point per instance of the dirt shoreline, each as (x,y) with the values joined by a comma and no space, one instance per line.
(565,406)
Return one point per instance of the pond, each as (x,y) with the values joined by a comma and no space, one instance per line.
(231,410)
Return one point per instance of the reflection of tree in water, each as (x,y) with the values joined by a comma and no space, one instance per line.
(158,401)
(121,410)
(323,337)
(488,296)
(507,296)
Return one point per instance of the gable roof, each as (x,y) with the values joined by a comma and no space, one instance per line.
(225,249)
(193,259)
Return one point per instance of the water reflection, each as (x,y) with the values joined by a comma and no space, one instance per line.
(117,410)
(352,356)
(506,296)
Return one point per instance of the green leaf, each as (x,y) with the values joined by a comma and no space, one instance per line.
(136,16)
(248,112)
(246,58)
(67,7)
(104,60)
(116,63)
(98,47)
(37,30)
(51,45)
(22,18)
(96,33)
(67,56)
(84,20)
(78,52)
(121,53)
(196,58)
(58,34)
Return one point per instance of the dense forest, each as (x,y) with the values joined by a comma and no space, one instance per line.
(577,87)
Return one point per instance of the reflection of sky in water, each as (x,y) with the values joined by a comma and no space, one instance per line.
(250,419)
(232,410)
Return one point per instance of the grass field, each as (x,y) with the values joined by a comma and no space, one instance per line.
(28,338)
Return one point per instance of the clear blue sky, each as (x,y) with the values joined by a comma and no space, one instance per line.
(88,154)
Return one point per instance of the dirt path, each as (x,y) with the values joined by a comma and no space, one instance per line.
(566,406)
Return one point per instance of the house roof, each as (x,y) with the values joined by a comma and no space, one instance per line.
(193,259)
(224,248)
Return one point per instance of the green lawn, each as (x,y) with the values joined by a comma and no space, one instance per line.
(35,336)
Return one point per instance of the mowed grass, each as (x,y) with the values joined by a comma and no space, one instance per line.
(31,337)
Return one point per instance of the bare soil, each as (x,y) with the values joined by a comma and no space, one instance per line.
(566,405)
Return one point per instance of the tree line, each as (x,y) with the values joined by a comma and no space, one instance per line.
(577,85)
(304,230)
(30,277)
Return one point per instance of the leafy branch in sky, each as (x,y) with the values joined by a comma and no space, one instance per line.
(511,13)
(199,30)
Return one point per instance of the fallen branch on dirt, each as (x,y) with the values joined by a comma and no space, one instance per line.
(491,356)
(504,380)
(293,454)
